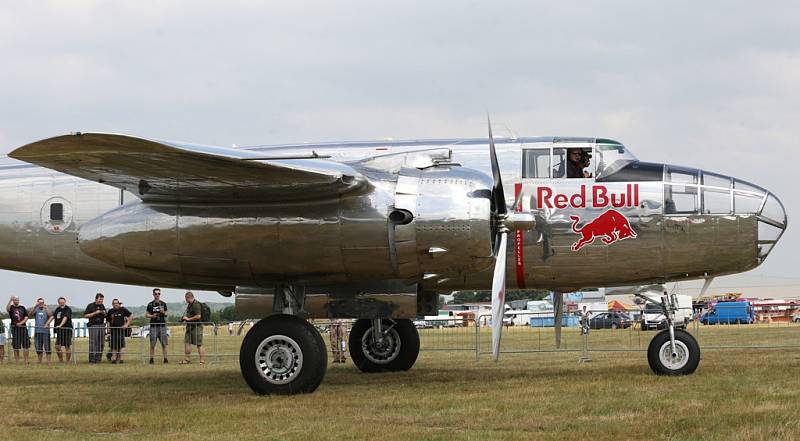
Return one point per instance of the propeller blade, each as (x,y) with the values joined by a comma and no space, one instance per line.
(498,197)
(558,303)
(498,292)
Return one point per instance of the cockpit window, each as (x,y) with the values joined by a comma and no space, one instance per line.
(611,157)
(572,162)
(559,163)
(536,163)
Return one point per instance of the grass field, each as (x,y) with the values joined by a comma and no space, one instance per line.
(738,394)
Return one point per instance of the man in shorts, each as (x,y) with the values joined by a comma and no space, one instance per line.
(41,333)
(157,313)
(62,321)
(194,329)
(19,328)
(119,319)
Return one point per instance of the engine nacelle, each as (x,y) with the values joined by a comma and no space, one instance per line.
(429,225)
(450,234)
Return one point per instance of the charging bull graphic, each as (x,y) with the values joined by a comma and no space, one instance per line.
(610,227)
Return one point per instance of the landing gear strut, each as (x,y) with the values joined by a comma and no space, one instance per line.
(384,345)
(672,352)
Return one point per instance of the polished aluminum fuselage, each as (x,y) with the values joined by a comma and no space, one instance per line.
(110,235)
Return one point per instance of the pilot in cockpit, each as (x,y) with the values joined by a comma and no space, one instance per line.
(577,161)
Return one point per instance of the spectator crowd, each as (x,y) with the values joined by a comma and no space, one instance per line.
(105,325)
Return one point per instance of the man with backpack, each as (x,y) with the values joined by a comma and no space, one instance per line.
(196,314)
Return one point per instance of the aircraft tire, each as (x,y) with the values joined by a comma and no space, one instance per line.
(659,354)
(399,353)
(283,355)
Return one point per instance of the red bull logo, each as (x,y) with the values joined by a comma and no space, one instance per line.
(610,227)
(601,197)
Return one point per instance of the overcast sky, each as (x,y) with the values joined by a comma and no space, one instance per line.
(704,84)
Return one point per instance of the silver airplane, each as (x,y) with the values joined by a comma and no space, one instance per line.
(374,231)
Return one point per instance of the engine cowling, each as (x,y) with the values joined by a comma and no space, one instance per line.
(450,234)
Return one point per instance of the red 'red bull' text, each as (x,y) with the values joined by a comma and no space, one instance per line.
(600,198)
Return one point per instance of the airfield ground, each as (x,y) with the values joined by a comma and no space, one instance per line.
(736,394)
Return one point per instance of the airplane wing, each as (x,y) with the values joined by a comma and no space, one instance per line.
(168,171)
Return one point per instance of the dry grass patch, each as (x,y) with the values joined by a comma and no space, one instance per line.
(736,394)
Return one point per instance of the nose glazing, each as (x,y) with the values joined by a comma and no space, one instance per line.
(772,222)
(749,199)
(719,194)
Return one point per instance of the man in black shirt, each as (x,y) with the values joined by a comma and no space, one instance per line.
(157,313)
(119,319)
(63,325)
(96,313)
(575,163)
(19,328)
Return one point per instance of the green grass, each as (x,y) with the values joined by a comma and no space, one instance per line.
(738,394)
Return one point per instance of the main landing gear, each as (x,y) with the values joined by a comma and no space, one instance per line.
(672,351)
(384,345)
(283,354)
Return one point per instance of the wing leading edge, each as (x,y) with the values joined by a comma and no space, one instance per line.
(166,171)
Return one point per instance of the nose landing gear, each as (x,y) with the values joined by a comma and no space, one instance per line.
(682,360)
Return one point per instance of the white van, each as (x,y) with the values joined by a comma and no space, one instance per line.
(653,317)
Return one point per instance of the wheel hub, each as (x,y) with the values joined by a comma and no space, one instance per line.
(279,359)
(383,349)
(676,361)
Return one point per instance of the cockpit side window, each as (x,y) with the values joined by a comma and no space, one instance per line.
(572,162)
(681,191)
(536,163)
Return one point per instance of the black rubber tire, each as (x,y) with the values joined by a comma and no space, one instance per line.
(613,325)
(663,337)
(312,347)
(405,359)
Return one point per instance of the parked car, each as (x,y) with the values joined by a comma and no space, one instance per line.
(610,320)
(796,318)
(729,313)
(653,317)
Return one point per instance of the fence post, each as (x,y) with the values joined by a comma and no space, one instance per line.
(697,331)
(477,339)
(215,330)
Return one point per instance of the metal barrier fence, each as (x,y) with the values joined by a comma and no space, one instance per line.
(101,343)
(630,337)
(444,335)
